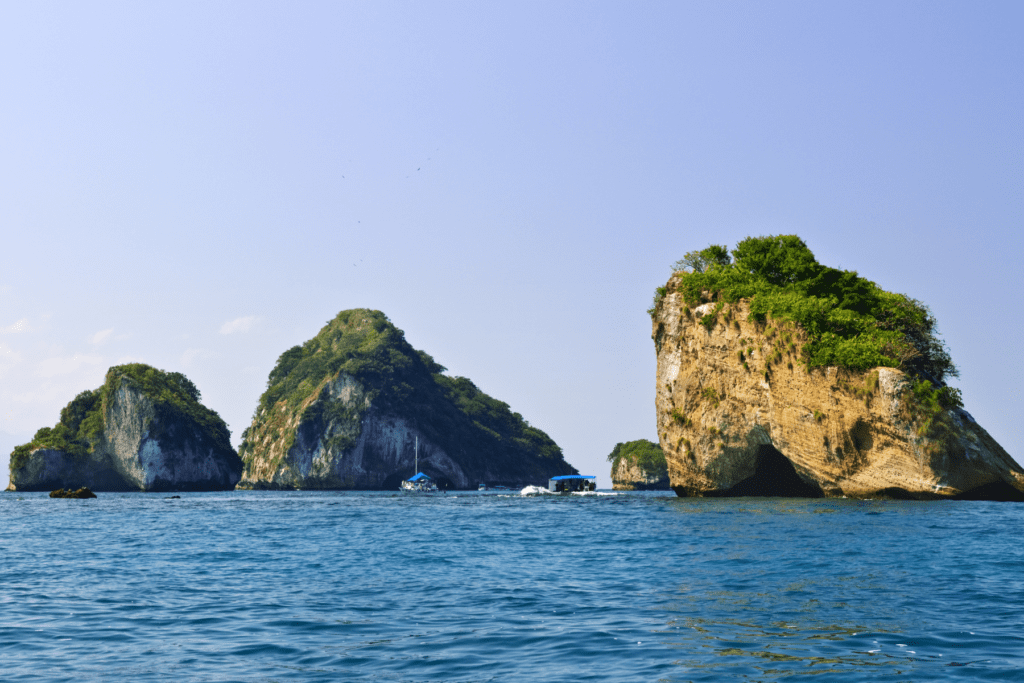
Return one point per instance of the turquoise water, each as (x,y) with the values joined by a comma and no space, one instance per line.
(260,586)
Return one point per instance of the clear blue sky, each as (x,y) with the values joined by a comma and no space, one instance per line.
(200,186)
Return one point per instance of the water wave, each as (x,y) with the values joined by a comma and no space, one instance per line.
(307,586)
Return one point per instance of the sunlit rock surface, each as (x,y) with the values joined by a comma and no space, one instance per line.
(738,414)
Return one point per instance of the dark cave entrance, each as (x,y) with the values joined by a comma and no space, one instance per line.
(775,476)
(444,483)
(996,490)
(393,481)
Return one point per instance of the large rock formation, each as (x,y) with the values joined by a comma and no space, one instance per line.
(638,466)
(346,410)
(779,376)
(143,430)
(739,414)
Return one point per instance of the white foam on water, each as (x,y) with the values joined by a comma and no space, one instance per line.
(534,491)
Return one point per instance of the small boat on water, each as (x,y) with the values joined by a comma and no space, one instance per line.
(572,483)
(419,482)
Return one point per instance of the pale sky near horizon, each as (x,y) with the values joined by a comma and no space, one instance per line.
(200,186)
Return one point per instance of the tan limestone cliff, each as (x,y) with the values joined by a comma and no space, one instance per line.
(738,414)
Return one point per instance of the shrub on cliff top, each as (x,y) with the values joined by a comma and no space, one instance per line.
(850,322)
(644,454)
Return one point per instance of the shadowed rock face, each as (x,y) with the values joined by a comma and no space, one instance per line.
(380,457)
(383,455)
(774,475)
(738,415)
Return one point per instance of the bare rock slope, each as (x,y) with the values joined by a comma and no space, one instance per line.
(738,413)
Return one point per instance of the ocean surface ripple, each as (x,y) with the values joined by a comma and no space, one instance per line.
(304,586)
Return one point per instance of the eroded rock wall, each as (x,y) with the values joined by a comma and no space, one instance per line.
(738,414)
(180,458)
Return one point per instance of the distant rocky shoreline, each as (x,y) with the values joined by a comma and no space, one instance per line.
(356,407)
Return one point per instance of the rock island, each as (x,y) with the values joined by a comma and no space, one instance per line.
(638,466)
(345,409)
(143,430)
(777,375)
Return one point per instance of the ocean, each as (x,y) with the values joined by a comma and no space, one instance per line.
(490,586)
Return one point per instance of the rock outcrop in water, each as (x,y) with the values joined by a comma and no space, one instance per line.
(638,466)
(346,409)
(81,493)
(748,402)
(143,430)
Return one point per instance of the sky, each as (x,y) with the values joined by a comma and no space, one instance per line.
(200,186)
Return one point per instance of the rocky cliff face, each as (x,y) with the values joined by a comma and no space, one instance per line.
(381,455)
(738,414)
(47,469)
(142,446)
(345,411)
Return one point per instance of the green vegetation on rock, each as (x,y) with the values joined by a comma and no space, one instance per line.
(849,321)
(644,454)
(175,400)
(397,379)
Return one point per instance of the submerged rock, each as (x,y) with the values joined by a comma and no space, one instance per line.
(83,492)
(143,430)
(346,409)
(744,407)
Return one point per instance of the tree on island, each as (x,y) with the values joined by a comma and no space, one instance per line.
(700,260)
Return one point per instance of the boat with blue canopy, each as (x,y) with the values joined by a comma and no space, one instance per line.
(572,483)
(419,482)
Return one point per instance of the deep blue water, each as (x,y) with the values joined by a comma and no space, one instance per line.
(258,586)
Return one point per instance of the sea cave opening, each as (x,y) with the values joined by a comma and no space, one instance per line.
(774,476)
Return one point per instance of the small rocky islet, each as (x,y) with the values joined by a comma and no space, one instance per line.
(776,376)
(81,493)
(639,466)
(143,430)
